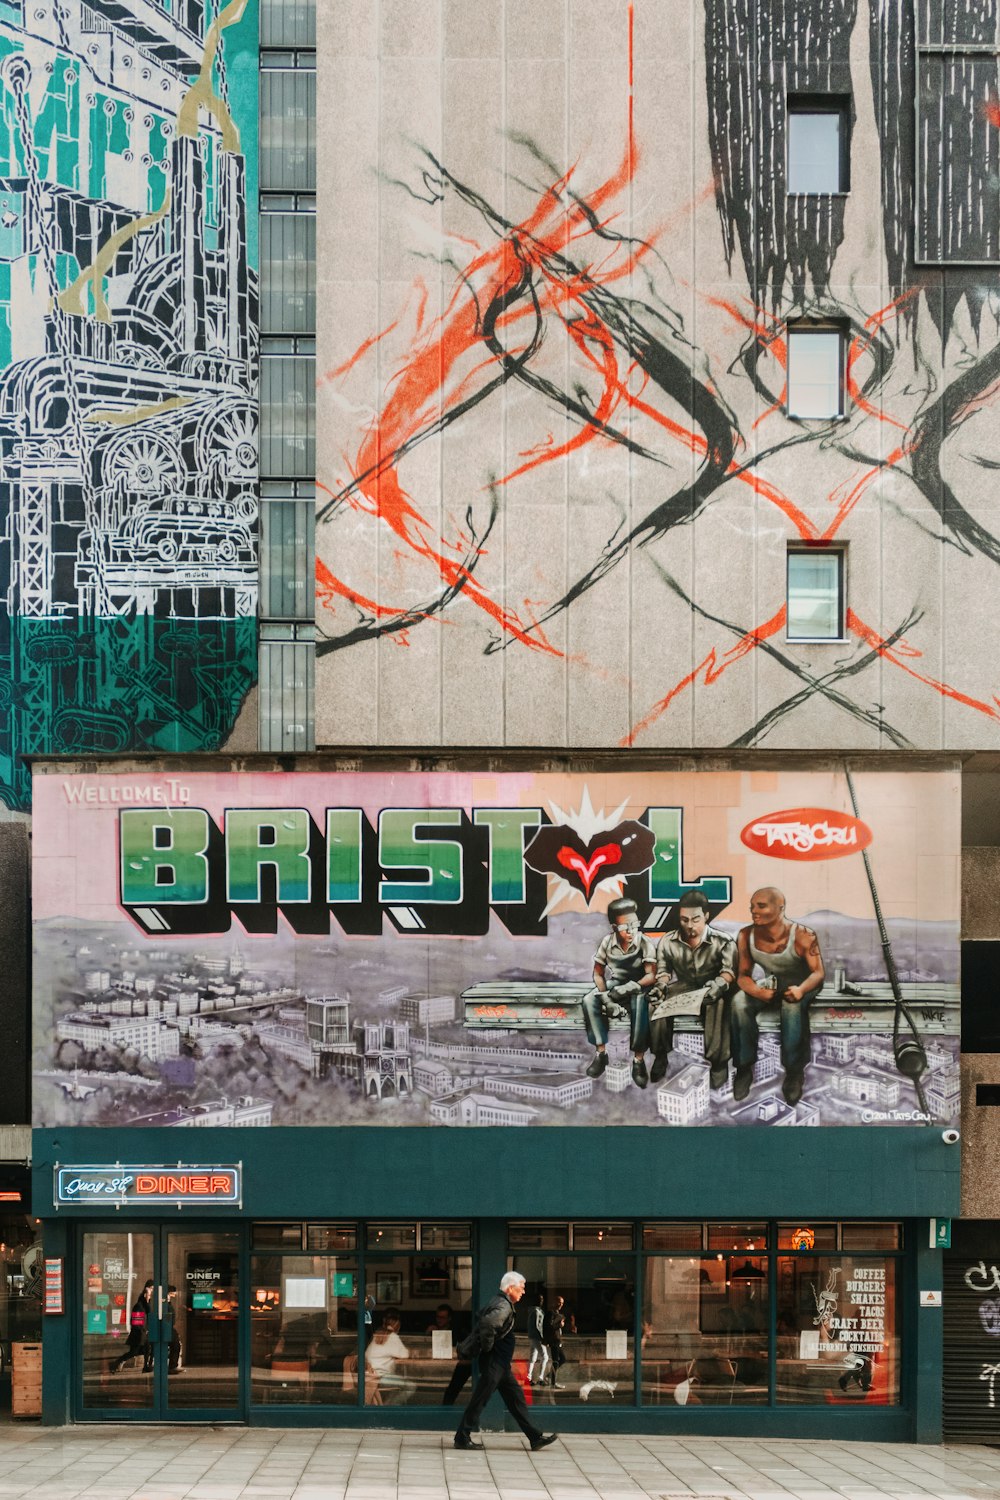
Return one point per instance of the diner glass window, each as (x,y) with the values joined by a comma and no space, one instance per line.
(672,1237)
(587,1308)
(807,1235)
(705,1326)
(602,1236)
(868,1236)
(838,1330)
(537,1236)
(391,1236)
(421,1307)
(737,1237)
(304,1329)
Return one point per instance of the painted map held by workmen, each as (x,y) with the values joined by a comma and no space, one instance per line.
(725,948)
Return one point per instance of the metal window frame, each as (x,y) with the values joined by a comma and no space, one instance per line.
(822,104)
(818,325)
(805,549)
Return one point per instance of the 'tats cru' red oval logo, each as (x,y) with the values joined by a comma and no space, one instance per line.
(807,833)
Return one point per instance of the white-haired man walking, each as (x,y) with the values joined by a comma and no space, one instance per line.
(492,1342)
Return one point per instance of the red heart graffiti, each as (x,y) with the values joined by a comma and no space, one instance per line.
(607,854)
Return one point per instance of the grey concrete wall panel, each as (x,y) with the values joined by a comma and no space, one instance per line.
(556,478)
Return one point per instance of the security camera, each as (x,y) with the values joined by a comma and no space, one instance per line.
(950,1137)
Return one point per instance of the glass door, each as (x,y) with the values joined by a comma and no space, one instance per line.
(199,1343)
(118,1269)
(161,1324)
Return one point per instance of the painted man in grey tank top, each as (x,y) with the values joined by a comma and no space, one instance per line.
(793,969)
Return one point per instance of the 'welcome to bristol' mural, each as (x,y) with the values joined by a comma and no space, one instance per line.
(726,948)
(128,418)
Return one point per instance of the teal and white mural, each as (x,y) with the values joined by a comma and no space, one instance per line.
(128,359)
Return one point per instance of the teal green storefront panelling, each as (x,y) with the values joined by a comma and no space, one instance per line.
(493,1177)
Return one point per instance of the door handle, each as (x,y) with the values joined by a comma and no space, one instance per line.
(159,1304)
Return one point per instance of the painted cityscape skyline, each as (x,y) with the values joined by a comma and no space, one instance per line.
(256,1031)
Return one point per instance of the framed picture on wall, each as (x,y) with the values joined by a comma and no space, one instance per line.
(388,1287)
(429,1278)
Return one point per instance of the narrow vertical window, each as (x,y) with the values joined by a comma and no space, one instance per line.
(815,594)
(815,370)
(818,144)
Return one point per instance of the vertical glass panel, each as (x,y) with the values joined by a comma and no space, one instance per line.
(587,1309)
(200,1333)
(287,130)
(421,1307)
(304,1330)
(287,559)
(814,151)
(287,415)
(288,23)
(287,273)
(119,1321)
(287,676)
(814,595)
(814,372)
(705,1331)
(838,1334)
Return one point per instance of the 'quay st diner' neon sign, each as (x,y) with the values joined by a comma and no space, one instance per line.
(129,1186)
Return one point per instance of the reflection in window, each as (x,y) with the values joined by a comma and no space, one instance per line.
(815,594)
(705,1330)
(815,371)
(837,1330)
(304,1329)
(817,145)
(587,1306)
(421,1307)
(117,1321)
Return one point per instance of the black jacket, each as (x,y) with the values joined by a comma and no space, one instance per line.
(493,1322)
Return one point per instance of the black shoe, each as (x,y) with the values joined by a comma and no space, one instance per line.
(742,1082)
(598,1065)
(543,1442)
(639,1074)
(466,1442)
(659,1068)
(718,1078)
(792,1088)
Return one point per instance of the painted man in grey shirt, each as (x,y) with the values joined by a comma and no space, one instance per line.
(695,956)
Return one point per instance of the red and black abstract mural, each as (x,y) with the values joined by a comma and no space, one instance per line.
(648,335)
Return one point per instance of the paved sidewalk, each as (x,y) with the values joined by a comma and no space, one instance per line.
(237,1463)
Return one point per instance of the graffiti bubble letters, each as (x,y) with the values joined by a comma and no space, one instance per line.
(990,1373)
(989,1316)
(979,1279)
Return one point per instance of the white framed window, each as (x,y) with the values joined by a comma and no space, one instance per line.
(816,593)
(817,128)
(815,370)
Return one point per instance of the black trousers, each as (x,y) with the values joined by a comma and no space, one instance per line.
(496,1376)
(459,1376)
